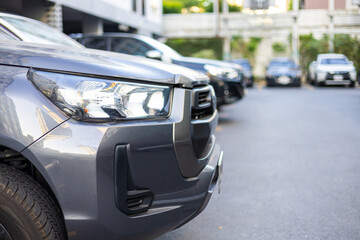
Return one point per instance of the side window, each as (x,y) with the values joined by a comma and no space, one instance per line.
(96,43)
(129,46)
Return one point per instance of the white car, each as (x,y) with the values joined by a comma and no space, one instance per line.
(332,69)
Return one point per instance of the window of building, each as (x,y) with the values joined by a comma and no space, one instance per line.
(134,5)
(143,7)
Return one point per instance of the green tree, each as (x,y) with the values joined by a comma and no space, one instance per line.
(205,53)
(246,49)
(171,6)
(310,48)
(279,47)
(209,6)
(188,47)
(350,47)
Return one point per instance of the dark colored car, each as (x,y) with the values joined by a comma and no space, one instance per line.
(99,145)
(247,70)
(226,78)
(283,72)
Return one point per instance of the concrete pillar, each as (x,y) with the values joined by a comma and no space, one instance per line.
(225,31)
(227,48)
(53,16)
(216,11)
(91,24)
(295,33)
(331,25)
(225,7)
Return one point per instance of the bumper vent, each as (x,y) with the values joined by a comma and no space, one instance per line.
(203,102)
(345,75)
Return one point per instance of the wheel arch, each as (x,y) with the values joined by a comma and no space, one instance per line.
(34,169)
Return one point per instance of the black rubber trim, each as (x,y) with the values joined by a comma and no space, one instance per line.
(130,199)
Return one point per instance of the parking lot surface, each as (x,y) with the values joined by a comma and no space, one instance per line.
(291,168)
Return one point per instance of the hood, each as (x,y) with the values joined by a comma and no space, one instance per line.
(199,63)
(204,61)
(336,67)
(97,62)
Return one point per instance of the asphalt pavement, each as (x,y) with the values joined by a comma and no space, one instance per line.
(291,168)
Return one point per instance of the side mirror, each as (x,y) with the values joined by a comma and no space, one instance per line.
(154,54)
(351,62)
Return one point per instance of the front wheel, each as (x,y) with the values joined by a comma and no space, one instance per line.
(27,212)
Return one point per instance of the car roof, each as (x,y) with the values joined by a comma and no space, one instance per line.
(114,35)
(281,59)
(331,55)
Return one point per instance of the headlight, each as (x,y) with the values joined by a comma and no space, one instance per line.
(214,70)
(86,98)
(230,73)
(321,71)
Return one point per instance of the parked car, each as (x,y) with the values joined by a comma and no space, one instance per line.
(226,78)
(332,69)
(99,145)
(247,70)
(283,72)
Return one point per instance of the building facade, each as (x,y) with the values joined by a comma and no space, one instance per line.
(324,4)
(92,16)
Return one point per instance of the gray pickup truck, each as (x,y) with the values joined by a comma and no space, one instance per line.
(99,145)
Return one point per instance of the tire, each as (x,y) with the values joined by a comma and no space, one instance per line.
(352,84)
(27,212)
(316,83)
(312,81)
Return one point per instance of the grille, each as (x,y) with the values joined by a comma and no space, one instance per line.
(203,102)
(345,75)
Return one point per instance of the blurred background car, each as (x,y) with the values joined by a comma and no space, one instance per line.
(247,70)
(332,69)
(226,78)
(283,72)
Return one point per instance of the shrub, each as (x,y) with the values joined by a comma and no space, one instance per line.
(170,6)
(279,47)
(188,47)
(205,53)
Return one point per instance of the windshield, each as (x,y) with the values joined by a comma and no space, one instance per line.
(164,49)
(282,64)
(245,65)
(38,32)
(331,61)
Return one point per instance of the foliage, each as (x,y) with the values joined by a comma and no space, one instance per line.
(171,6)
(232,7)
(245,49)
(188,47)
(176,6)
(279,47)
(310,48)
(350,47)
(205,53)
(290,6)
